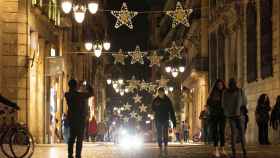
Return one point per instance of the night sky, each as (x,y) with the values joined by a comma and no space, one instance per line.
(126,39)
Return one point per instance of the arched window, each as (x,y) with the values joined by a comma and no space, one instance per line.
(266,38)
(251,21)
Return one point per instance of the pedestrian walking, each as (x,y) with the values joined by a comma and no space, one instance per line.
(77,114)
(186,130)
(204,116)
(92,129)
(162,106)
(233,99)
(262,118)
(216,117)
(275,115)
(65,128)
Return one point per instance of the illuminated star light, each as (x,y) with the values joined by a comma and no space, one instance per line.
(137,56)
(154,59)
(180,15)
(133,114)
(127,106)
(175,51)
(137,99)
(124,17)
(143,108)
(119,57)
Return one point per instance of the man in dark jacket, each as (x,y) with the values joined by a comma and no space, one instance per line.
(77,114)
(162,106)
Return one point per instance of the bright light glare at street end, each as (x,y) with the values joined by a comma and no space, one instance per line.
(131,142)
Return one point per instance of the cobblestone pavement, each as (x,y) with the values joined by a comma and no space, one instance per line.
(101,150)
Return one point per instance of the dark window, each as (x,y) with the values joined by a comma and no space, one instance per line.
(251,19)
(266,38)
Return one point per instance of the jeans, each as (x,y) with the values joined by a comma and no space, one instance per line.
(66,134)
(186,136)
(205,133)
(263,133)
(218,131)
(76,132)
(162,133)
(237,125)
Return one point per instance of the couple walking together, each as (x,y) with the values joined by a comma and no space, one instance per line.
(227,104)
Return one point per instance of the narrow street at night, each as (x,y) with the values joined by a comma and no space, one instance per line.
(106,150)
(139,78)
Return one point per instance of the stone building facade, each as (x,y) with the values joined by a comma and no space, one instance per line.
(239,39)
(33,72)
(228,39)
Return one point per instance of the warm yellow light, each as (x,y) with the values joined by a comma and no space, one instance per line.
(66,6)
(93,7)
(79,13)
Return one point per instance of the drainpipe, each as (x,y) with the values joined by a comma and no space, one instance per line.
(27,57)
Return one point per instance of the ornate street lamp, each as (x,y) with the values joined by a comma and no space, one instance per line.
(93,7)
(79,13)
(79,9)
(66,6)
(97,49)
(109,81)
(106,45)
(88,46)
(168,69)
(181,69)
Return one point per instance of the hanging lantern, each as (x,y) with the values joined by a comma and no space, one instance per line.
(97,49)
(181,69)
(66,6)
(93,7)
(106,45)
(168,69)
(175,73)
(109,81)
(79,13)
(88,46)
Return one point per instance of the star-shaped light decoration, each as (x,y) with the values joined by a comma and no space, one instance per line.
(152,88)
(154,59)
(125,119)
(139,118)
(137,56)
(119,57)
(127,106)
(124,17)
(133,115)
(144,86)
(133,84)
(137,99)
(143,108)
(175,51)
(180,15)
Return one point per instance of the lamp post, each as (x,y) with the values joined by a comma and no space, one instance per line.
(79,9)
(174,71)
